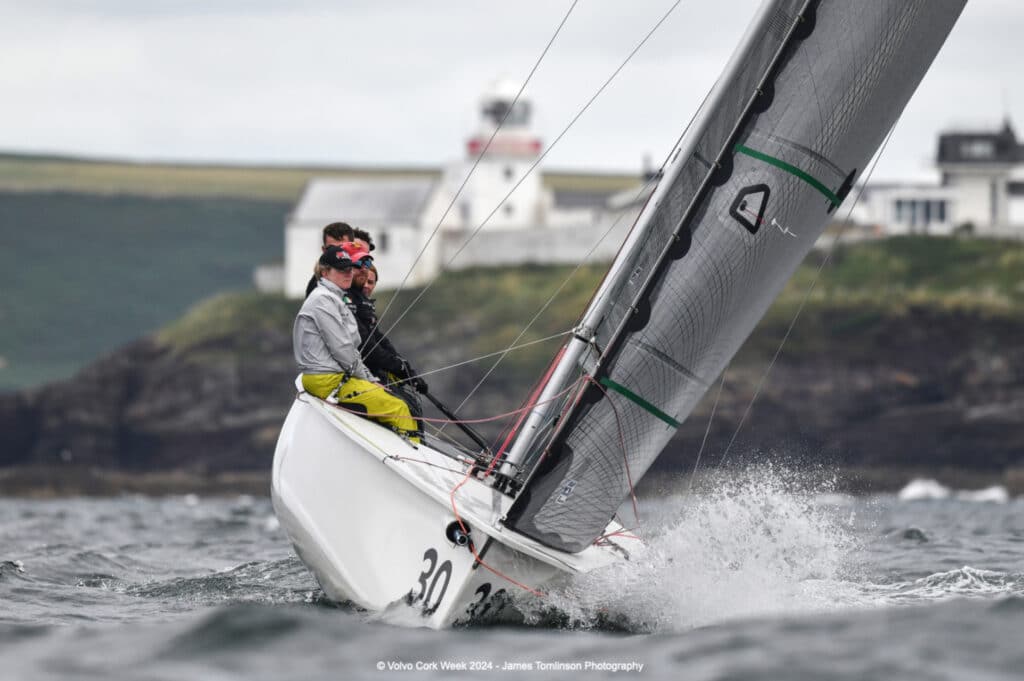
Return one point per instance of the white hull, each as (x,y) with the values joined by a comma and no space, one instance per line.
(370,515)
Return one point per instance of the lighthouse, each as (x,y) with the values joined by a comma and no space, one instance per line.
(503,148)
(488,207)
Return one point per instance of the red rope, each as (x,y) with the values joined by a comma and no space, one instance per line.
(565,410)
(472,548)
(617,533)
(757,220)
(531,402)
(453,421)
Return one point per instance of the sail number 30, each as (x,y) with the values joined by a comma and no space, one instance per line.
(432,574)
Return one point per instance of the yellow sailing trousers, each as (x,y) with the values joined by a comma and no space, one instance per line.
(380,405)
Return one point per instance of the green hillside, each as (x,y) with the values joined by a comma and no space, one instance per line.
(484,310)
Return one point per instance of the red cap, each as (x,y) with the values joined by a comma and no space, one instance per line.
(355,251)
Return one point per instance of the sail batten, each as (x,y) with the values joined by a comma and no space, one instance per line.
(725,235)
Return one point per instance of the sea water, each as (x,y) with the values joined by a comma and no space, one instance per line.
(758,574)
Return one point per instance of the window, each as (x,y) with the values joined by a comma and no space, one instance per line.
(498,112)
(980,149)
(901,210)
(509,210)
(940,211)
(508,173)
(382,242)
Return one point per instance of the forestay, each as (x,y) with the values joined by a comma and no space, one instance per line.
(804,104)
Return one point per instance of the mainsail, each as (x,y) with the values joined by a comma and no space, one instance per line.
(803,105)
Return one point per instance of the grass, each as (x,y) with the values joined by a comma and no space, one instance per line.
(220,320)
(271,183)
(29,173)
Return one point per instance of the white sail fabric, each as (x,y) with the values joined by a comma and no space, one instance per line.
(834,76)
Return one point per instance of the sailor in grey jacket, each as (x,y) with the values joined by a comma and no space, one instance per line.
(325,341)
(326,336)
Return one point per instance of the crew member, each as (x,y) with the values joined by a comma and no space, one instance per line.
(363,238)
(378,353)
(334,234)
(326,345)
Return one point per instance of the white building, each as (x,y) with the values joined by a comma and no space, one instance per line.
(392,210)
(503,215)
(981,191)
(906,209)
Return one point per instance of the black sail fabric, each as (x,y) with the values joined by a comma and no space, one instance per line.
(819,85)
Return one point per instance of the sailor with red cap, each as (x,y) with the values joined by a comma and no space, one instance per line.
(326,343)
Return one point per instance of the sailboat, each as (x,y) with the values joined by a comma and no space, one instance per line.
(802,106)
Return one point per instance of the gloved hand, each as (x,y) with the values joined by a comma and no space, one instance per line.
(416,381)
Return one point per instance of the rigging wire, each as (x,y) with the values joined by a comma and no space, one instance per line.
(643,188)
(465,181)
(537,162)
(429,419)
(707,430)
(807,296)
(482,357)
(652,182)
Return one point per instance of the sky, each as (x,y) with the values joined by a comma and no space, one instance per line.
(397,83)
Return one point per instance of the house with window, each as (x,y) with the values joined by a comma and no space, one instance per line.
(980,190)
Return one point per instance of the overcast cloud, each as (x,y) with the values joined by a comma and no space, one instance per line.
(397,83)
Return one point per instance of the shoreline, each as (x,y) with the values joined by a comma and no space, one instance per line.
(39,482)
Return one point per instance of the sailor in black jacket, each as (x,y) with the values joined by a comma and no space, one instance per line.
(378,353)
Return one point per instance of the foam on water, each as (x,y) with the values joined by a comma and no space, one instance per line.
(996,494)
(754,544)
(921,489)
(965,582)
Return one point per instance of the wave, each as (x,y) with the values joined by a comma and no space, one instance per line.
(965,582)
(922,489)
(281,581)
(11,567)
(755,544)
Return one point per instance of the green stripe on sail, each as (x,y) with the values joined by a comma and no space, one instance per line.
(791,169)
(644,404)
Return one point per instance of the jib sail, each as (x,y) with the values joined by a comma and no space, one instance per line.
(803,105)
